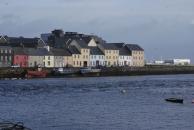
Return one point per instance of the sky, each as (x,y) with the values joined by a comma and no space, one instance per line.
(164,28)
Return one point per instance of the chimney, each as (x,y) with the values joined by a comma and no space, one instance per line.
(47,47)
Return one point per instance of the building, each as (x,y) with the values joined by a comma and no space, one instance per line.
(6,56)
(62,57)
(76,54)
(84,52)
(125,57)
(20,57)
(111,53)
(137,54)
(178,61)
(48,59)
(97,57)
(36,57)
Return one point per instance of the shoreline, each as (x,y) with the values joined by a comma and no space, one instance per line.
(19,73)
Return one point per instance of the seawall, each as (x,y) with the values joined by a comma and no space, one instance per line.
(112,71)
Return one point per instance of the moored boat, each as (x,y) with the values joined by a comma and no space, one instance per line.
(65,71)
(12,126)
(174,100)
(89,70)
(36,73)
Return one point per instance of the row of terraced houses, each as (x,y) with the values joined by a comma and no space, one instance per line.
(69,49)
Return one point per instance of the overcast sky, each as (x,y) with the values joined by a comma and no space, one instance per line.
(164,28)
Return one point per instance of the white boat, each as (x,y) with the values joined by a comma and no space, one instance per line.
(88,70)
(65,71)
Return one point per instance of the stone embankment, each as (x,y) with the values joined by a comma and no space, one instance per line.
(111,71)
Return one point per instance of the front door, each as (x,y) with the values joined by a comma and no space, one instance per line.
(97,63)
(85,63)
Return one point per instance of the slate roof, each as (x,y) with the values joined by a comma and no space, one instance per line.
(23,42)
(95,51)
(81,43)
(87,39)
(109,46)
(20,51)
(73,50)
(134,47)
(60,52)
(37,52)
(118,45)
(124,51)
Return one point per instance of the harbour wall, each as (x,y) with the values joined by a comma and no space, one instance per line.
(110,71)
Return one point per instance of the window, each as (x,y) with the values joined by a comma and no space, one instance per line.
(5,51)
(1,51)
(48,57)
(9,51)
(49,63)
(9,58)
(1,58)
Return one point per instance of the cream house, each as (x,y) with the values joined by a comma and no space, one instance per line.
(125,58)
(137,54)
(48,59)
(80,53)
(62,57)
(111,53)
(36,57)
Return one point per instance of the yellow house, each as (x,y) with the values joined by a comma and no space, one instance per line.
(111,53)
(137,53)
(48,59)
(80,53)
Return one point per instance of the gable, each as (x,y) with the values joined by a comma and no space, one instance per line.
(41,43)
(92,43)
(3,40)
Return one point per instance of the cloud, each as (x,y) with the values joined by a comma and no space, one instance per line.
(192,22)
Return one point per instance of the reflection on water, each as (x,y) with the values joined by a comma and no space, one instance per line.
(99,103)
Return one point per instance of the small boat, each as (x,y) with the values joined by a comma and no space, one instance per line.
(88,70)
(64,71)
(36,74)
(174,100)
(12,126)
(193,101)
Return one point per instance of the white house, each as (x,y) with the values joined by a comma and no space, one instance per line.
(97,57)
(125,58)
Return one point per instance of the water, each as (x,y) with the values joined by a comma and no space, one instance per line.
(104,103)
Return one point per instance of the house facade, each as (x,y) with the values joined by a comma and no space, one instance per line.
(36,57)
(137,54)
(83,58)
(6,56)
(62,58)
(97,57)
(76,54)
(111,54)
(20,57)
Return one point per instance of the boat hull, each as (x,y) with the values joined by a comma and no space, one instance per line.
(174,100)
(36,74)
